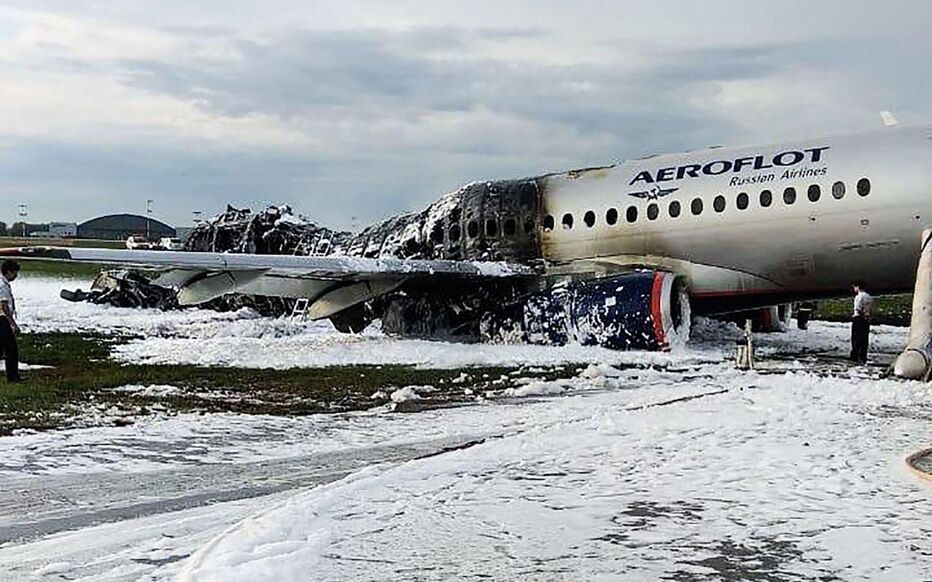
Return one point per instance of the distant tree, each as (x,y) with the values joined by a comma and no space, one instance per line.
(17,228)
(3,231)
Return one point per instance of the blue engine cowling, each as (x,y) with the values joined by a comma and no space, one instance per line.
(646,310)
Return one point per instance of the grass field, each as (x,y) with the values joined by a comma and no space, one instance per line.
(77,388)
(888,309)
(60,267)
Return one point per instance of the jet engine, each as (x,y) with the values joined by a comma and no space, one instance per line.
(646,310)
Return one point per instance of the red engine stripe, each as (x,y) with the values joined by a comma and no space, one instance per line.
(656,313)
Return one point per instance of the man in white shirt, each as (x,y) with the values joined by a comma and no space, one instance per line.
(8,327)
(860,323)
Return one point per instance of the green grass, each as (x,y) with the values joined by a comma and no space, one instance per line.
(60,268)
(18,241)
(83,376)
(888,309)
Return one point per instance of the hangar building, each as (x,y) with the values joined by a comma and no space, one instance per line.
(121,226)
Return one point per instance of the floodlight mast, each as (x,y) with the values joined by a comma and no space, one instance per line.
(148,217)
(23,213)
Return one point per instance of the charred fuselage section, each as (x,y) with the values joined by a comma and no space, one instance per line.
(483,221)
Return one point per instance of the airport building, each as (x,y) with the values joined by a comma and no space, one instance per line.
(121,226)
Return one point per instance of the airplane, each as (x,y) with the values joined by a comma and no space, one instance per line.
(618,256)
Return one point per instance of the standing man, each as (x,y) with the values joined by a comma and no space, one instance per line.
(860,323)
(8,327)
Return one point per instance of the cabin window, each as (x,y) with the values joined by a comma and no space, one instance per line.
(674,209)
(509,227)
(864,187)
(589,218)
(742,201)
(719,203)
(814,193)
(436,234)
(696,206)
(491,227)
(548,223)
(528,225)
(838,190)
(567,221)
(611,217)
(472,229)
(631,215)
(454,233)
(653,211)
(766,198)
(789,195)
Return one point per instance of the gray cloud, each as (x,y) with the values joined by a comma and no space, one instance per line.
(404,113)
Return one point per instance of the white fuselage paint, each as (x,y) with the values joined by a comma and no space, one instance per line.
(801,249)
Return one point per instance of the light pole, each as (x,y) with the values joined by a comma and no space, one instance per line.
(22,217)
(148,217)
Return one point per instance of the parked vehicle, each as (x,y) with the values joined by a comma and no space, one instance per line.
(171,244)
(138,242)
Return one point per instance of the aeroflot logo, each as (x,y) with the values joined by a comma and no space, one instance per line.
(719,167)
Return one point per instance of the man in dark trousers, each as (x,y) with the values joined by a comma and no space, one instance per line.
(860,323)
(8,327)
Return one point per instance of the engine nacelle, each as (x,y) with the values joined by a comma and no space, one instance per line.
(642,310)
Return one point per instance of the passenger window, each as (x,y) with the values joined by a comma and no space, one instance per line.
(766,198)
(864,187)
(548,223)
(789,195)
(528,225)
(589,218)
(814,193)
(838,190)
(696,206)
(611,217)
(436,233)
(742,201)
(567,221)
(631,215)
(510,227)
(472,229)
(719,203)
(491,227)
(653,211)
(454,233)
(674,209)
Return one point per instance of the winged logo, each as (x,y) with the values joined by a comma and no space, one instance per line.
(654,193)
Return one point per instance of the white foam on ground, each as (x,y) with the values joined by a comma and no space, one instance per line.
(796,471)
(613,474)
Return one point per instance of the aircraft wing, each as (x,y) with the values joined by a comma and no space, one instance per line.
(330,283)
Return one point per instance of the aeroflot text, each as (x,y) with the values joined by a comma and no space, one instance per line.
(719,167)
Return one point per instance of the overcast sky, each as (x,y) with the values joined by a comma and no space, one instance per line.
(355,110)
